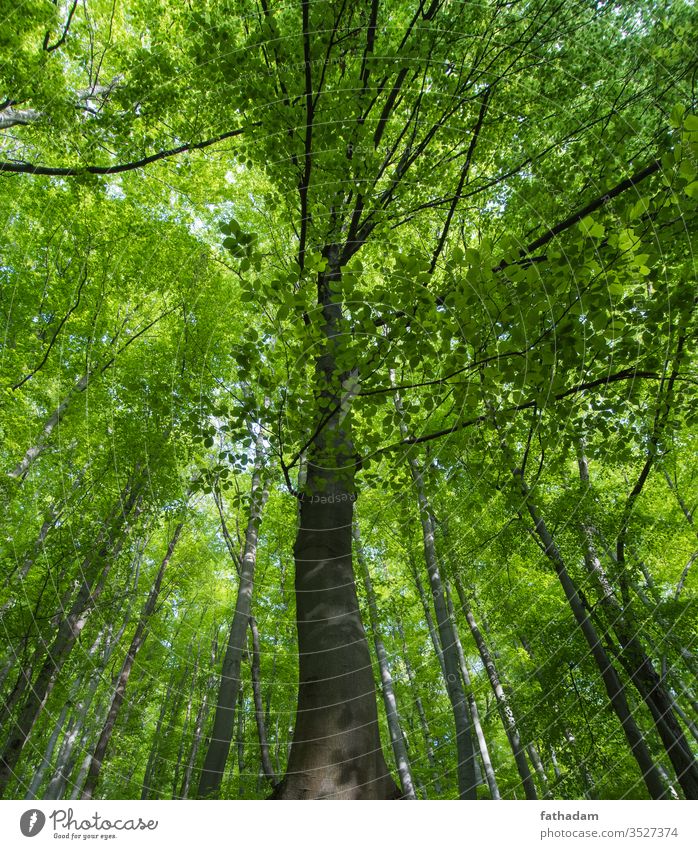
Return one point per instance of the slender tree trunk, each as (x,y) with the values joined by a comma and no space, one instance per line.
(397,738)
(424,725)
(267,769)
(199,724)
(472,703)
(428,618)
(467,787)
(540,770)
(150,767)
(137,641)
(94,572)
(609,676)
(240,741)
(639,666)
(588,780)
(503,705)
(65,761)
(185,726)
(48,754)
(222,731)
(21,470)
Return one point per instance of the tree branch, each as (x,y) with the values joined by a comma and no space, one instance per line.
(50,48)
(50,171)
(626,374)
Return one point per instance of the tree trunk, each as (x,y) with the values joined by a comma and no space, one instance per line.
(94,572)
(420,713)
(588,780)
(65,761)
(639,666)
(609,676)
(222,731)
(472,703)
(540,770)
(428,618)
(467,786)
(185,726)
(150,767)
(137,641)
(48,754)
(397,738)
(199,725)
(267,769)
(503,705)
(336,751)
(240,742)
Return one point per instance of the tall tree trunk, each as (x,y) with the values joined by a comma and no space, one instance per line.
(609,675)
(428,618)
(638,664)
(94,572)
(421,713)
(240,741)
(222,731)
(65,761)
(503,706)
(151,765)
(540,770)
(267,769)
(336,750)
(199,724)
(185,725)
(467,786)
(137,641)
(48,754)
(21,470)
(472,703)
(397,738)
(588,780)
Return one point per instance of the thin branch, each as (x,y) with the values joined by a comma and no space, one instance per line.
(65,318)
(626,374)
(50,48)
(463,177)
(597,203)
(50,171)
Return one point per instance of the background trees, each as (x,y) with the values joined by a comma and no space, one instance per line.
(420,270)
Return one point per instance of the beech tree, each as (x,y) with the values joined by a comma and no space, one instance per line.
(276,273)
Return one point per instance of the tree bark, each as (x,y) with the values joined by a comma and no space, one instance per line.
(472,703)
(336,751)
(199,724)
(267,769)
(48,754)
(428,618)
(137,641)
(222,731)
(94,572)
(638,664)
(503,706)
(612,683)
(421,713)
(65,761)
(397,737)
(467,785)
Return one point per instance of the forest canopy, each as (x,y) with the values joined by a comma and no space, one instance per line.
(348,387)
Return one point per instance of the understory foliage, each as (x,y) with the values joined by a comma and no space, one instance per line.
(443,250)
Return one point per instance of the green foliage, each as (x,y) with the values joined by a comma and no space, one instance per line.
(489,211)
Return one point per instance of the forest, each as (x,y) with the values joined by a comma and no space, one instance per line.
(349,399)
